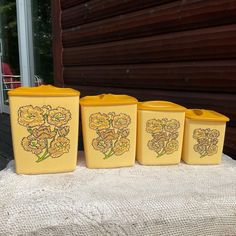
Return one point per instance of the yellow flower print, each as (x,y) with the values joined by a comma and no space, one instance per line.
(121,146)
(214,134)
(43,132)
(174,135)
(153,126)
(102,145)
(172,125)
(171,146)
(59,116)
(212,149)
(201,149)
(30,116)
(155,145)
(124,133)
(63,131)
(165,134)
(108,134)
(121,121)
(47,131)
(199,133)
(59,146)
(203,141)
(214,141)
(112,130)
(207,140)
(33,144)
(160,136)
(99,121)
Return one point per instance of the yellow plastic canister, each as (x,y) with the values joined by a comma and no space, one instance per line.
(44,124)
(204,136)
(109,130)
(160,132)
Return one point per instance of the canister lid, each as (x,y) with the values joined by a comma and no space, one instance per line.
(160,106)
(43,91)
(205,115)
(107,99)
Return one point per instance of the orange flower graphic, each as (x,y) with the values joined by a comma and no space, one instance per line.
(112,130)
(207,140)
(164,134)
(47,130)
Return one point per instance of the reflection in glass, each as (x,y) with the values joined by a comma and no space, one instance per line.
(9,51)
(42,40)
(9,55)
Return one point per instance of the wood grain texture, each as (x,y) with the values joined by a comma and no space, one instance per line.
(71,3)
(202,44)
(178,50)
(172,17)
(217,76)
(57,43)
(100,9)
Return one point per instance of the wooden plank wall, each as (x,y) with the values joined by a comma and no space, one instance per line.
(183,51)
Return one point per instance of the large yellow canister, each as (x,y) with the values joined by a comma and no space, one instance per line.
(44,124)
(204,136)
(109,130)
(160,132)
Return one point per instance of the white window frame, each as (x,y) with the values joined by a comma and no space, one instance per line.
(25,42)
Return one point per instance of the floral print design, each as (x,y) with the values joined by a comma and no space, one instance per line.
(47,130)
(207,140)
(30,116)
(59,146)
(121,146)
(58,117)
(164,136)
(112,133)
(99,121)
(33,144)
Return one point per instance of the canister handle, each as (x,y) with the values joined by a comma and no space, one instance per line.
(197,112)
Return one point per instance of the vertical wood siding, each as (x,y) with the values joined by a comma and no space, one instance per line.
(182,51)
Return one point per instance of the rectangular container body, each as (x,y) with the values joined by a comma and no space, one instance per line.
(160,137)
(109,134)
(203,142)
(44,133)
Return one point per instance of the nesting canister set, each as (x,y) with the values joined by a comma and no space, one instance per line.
(117,129)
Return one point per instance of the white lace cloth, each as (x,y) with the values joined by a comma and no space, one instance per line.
(142,200)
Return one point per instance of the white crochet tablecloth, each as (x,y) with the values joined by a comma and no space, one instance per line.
(142,200)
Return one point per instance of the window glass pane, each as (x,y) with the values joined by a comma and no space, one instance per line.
(42,39)
(9,54)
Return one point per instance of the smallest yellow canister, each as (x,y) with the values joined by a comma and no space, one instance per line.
(160,132)
(109,130)
(204,136)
